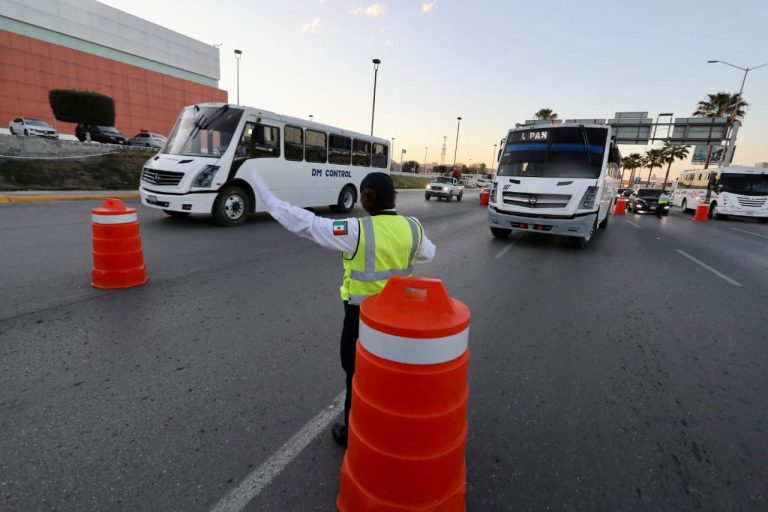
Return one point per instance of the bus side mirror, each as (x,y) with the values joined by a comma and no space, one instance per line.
(498,156)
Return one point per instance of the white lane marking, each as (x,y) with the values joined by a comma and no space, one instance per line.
(749,232)
(254,483)
(504,251)
(638,227)
(704,265)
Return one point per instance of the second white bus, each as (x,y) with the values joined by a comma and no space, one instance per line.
(204,166)
(555,179)
(733,190)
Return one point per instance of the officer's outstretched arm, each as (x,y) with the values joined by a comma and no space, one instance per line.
(338,235)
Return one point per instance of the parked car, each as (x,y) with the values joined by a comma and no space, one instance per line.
(444,188)
(624,192)
(149,140)
(32,128)
(482,182)
(646,200)
(105,134)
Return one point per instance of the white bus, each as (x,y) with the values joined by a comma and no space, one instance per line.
(732,190)
(204,166)
(556,179)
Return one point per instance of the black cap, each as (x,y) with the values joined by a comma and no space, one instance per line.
(382,184)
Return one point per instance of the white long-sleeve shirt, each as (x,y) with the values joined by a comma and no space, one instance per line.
(335,234)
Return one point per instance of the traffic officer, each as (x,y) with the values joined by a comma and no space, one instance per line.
(373,248)
(663,201)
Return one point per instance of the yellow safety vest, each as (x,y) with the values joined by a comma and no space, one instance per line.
(663,199)
(386,247)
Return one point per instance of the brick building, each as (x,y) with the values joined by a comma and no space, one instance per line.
(151,72)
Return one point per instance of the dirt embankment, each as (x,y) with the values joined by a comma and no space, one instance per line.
(114,171)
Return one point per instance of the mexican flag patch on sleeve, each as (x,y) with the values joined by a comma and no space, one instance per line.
(340,227)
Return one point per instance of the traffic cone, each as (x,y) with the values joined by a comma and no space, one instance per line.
(702,212)
(408,422)
(118,261)
(485,195)
(621,206)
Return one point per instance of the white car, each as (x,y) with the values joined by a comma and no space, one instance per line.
(149,140)
(32,127)
(482,182)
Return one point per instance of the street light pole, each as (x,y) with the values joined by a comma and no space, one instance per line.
(402,152)
(238,54)
(392,149)
(493,156)
(732,115)
(456,147)
(426,148)
(376,63)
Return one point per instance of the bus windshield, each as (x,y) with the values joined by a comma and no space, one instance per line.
(203,131)
(564,152)
(745,184)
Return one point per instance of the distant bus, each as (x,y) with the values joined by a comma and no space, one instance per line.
(558,179)
(204,167)
(733,190)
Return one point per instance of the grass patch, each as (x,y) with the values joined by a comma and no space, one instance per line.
(410,181)
(116,171)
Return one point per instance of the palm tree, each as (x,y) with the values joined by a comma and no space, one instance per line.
(721,104)
(545,114)
(632,161)
(651,160)
(670,153)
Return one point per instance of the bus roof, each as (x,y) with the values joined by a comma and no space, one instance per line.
(558,125)
(306,123)
(731,169)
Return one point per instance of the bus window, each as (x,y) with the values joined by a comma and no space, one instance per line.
(315,147)
(361,150)
(294,143)
(339,149)
(259,141)
(380,155)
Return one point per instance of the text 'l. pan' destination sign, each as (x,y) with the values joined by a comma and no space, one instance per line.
(530,135)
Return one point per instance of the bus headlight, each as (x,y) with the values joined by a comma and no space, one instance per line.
(205,178)
(588,201)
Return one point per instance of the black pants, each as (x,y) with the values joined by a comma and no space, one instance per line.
(349,334)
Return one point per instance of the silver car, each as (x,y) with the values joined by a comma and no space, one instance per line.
(148,140)
(32,127)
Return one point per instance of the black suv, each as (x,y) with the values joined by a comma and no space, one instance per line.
(646,200)
(105,134)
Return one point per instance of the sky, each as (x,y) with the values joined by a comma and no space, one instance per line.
(492,62)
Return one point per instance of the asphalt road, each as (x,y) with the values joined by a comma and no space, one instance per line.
(627,376)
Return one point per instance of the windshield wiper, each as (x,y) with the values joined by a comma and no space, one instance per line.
(202,123)
(586,143)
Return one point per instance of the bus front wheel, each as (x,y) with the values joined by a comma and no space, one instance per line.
(346,200)
(584,241)
(231,206)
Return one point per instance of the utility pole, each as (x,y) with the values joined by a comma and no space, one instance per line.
(456,147)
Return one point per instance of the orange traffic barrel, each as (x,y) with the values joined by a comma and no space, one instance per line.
(485,195)
(118,261)
(702,212)
(408,422)
(621,206)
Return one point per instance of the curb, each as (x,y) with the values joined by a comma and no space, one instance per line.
(64,197)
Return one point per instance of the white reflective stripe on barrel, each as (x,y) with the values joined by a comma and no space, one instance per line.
(114,219)
(413,350)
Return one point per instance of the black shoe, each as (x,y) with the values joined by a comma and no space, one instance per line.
(339,433)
